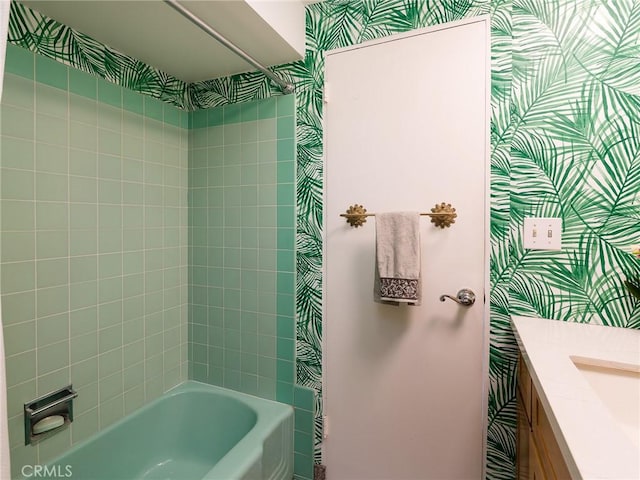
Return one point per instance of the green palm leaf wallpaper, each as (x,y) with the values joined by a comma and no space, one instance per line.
(565,136)
(44,36)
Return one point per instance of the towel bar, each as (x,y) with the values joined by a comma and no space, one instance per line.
(443,215)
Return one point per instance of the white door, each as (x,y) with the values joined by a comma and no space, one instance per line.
(406,127)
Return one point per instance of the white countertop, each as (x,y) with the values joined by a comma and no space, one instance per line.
(593,445)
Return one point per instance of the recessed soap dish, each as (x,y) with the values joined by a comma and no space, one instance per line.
(47,414)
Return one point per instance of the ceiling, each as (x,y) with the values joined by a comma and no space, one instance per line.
(271,31)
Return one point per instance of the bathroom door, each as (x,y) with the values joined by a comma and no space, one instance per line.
(406,127)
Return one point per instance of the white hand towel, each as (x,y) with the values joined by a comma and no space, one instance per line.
(398,278)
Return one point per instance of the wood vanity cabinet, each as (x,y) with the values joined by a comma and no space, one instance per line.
(538,454)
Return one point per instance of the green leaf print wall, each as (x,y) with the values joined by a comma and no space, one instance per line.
(565,137)
(40,34)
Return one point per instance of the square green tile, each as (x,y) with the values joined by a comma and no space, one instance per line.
(109,142)
(82,162)
(267,108)
(17,153)
(83,216)
(109,265)
(232,134)
(215,116)
(52,244)
(110,240)
(109,216)
(285,304)
(286,283)
(20,338)
(267,260)
(286,260)
(18,307)
(51,101)
(52,158)
(110,289)
(199,120)
(18,277)
(83,295)
(286,241)
(18,246)
(285,327)
(249,111)
(83,269)
(171,115)
(284,392)
(286,217)
(109,191)
(267,130)
(132,195)
(285,127)
(285,349)
(153,108)
(83,242)
(249,383)
(17,184)
(83,321)
(17,122)
(109,117)
(50,301)
(286,149)
(51,72)
(19,61)
(286,105)
(17,215)
(83,136)
(83,347)
(51,273)
(302,467)
(109,93)
(81,189)
(83,109)
(110,314)
(109,338)
(18,91)
(232,113)
(110,387)
(286,172)
(50,129)
(53,329)
(132,101)
(303,443)
(83,84)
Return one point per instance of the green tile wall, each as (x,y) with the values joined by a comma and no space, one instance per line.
(241,220)
(241,256)
(93,261)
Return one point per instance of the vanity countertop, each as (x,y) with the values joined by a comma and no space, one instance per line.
(593,443)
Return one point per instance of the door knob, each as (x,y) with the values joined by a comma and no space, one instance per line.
(464,297)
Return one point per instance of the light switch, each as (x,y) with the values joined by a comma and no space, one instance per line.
(542,233)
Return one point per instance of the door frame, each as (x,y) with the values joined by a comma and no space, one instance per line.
(480,19)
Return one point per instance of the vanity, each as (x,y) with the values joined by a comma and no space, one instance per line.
(578,401)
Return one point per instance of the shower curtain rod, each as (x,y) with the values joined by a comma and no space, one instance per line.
(285,86)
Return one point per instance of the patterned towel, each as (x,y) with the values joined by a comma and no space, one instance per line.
(397,278)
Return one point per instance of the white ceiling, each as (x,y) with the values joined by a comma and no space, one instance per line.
(271,31)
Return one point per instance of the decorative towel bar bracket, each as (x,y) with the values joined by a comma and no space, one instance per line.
(443,215)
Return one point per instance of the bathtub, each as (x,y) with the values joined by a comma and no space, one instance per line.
(194,431)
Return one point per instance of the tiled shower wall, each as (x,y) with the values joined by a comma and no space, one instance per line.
(241,255)
(94,246)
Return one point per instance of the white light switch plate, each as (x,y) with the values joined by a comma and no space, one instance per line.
(542,233)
